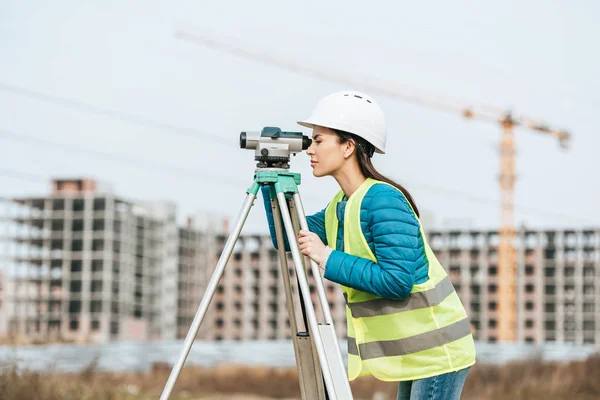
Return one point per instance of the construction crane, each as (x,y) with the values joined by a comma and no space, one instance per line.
(507,266)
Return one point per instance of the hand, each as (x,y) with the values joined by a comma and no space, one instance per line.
(311,245)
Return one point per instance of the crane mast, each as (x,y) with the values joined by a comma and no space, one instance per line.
(507,266)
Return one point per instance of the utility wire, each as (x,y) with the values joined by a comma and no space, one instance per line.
(114,114)
(487,201)
(188,132)
(202,174)
(195,173)
(24,176)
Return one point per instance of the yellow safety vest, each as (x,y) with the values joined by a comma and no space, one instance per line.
(424,335)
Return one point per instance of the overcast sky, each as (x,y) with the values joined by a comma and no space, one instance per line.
(537,58)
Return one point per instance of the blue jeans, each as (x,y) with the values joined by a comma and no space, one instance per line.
(441,387)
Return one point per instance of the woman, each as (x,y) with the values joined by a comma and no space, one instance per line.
(405,320)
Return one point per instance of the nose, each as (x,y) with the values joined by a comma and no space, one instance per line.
(311,149)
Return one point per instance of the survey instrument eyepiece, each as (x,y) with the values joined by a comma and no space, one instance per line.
(273,146)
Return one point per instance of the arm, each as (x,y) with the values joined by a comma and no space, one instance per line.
(316,222)
(397,247)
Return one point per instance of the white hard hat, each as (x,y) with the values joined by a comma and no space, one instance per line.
(352,112)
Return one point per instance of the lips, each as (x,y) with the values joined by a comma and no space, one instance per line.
(313,163)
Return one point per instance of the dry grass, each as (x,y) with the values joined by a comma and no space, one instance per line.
(21,340)
(578,380)
(520,381)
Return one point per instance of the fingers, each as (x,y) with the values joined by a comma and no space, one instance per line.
(305,241)
(304,236)
(303,233)
(305,245)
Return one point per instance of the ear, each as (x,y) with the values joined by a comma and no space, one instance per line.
(349,148)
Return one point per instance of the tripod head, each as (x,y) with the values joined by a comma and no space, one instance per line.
(273,146)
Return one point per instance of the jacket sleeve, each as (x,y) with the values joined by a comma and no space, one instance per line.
(395,232)
(316,222)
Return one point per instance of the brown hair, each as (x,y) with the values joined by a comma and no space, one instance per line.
(364,151)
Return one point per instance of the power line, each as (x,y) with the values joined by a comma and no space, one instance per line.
(187,132)
(201,174)
(486,201)
(24,176)
(114,114)
(195,173)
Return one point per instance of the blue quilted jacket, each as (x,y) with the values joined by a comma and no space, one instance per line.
(392,232)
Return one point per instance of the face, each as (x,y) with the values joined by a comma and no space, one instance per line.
(326,154)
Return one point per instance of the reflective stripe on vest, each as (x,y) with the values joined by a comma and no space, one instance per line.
(413,344)
(414,301)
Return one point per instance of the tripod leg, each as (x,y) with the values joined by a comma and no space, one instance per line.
(309,371)
(314,267)
(296,225)
(210,291)
(305,260)
(302,281)
(330,338)
(284,265)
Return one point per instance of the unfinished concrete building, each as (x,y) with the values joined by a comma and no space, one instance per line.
(558,286)
(197,257)
(558,290)
(82,264)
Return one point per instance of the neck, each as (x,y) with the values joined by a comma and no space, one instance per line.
(350,178)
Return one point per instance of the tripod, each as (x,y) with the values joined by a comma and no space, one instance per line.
(319,338)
